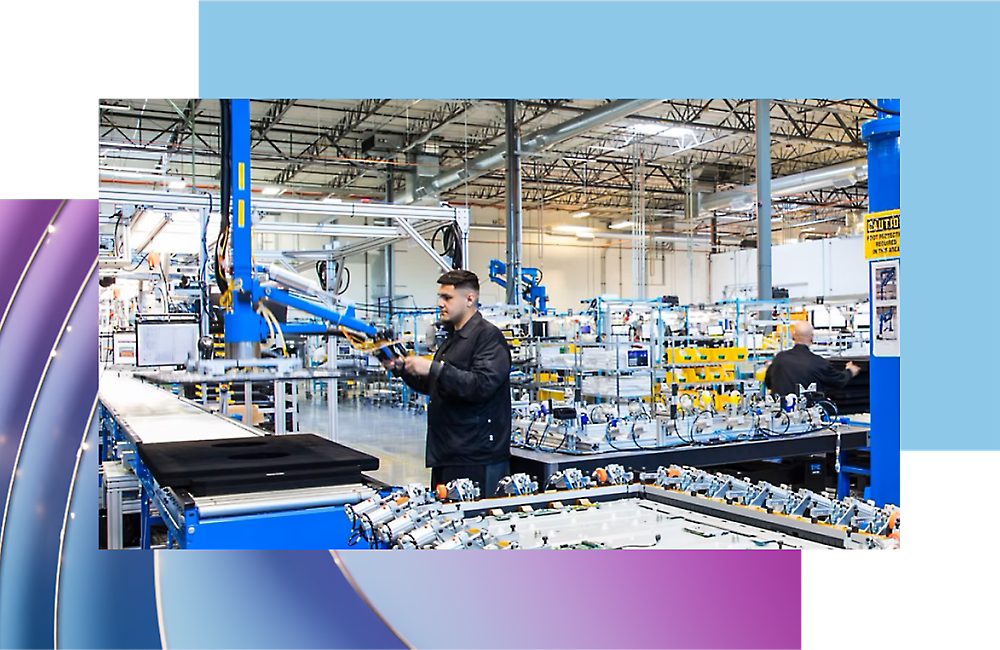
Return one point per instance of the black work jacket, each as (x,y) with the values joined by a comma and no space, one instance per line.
(468,413)
(800,366)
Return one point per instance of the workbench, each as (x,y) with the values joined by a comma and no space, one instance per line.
(543,464)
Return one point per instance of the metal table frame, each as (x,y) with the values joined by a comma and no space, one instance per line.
(542,464)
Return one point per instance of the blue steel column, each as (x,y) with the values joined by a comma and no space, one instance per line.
(882,136)
(242,325)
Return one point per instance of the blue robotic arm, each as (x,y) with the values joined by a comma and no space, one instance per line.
(531,290)
(243,322)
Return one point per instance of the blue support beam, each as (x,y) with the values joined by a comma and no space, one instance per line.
(882,137)
(242,324)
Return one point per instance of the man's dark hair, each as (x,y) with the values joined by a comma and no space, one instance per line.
(461,279)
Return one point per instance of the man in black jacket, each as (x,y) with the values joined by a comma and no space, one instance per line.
(468,381)
(799,366)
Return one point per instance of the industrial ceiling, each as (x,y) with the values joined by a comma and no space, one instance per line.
(353,149)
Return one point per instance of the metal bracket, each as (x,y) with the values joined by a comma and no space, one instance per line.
(423,243)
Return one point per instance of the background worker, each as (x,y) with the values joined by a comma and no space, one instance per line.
(799,366)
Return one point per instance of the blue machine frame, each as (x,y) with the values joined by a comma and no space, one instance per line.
(882,136)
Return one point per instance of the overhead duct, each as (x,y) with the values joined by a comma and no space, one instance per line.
(673,238)
(743,198)
(680,238)
(530,144)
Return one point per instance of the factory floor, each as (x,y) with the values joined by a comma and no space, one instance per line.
(394,435)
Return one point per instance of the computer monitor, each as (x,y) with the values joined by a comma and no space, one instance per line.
(638,358)
(165,340)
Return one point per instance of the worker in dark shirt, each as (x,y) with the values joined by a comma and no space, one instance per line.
(468,381)
(799,366)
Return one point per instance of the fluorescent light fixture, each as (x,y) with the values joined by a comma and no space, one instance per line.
(333,199)
(177,184)
(678,132)
(271,190)
(116,107)
(565,227)
(123,146)
(130,173)
(620,225)
(808,229)
(584,234)
(647,128)
(581,214)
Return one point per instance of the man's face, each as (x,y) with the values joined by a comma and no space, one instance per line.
(453,304)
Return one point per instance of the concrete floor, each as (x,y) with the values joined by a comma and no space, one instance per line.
(395,435)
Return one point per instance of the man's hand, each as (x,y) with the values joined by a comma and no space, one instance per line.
(853,368)
(418,366)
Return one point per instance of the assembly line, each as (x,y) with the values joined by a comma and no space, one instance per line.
(595,420)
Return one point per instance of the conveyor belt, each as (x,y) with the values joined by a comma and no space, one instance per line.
(245,504)
(153,415)
(254,464)
(188,448)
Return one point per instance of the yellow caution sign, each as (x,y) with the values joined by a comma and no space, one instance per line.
(882,234)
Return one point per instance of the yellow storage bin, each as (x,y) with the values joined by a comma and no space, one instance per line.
(548,393)
(684,355)
(718,354)
(702,354)
(735,354)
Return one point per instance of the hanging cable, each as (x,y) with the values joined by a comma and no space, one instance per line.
(225,151)
(118,251)
(321,273)
(451,240)
(274,326)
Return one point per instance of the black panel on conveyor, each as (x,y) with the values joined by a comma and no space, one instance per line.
(254,464)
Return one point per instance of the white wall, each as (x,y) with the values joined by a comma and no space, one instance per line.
(824,267)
